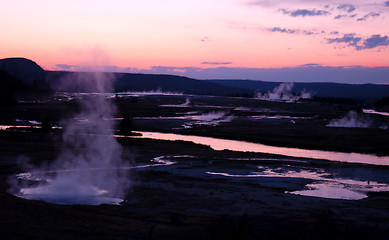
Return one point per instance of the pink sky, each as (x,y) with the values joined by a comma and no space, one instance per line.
(202,33)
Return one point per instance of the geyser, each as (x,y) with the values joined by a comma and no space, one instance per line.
(89,169)
(351,120)
(283,93)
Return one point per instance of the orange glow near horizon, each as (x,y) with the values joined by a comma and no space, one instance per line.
(245,34)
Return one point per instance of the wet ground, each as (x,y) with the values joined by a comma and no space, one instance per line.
(185,190)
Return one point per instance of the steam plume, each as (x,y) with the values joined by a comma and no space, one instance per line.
(87,167)
(211,119)
(351,120)
(283,93)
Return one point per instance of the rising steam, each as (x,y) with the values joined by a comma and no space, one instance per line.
(283,93)
(351,120)
(87,169)
(210,119)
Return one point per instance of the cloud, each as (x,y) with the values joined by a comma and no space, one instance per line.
(340,16)
(311,65)
(282,30)
(304,12)
(375,41)
(262,3)
(308,73)
(273,3)
(216,63)
(79,68)
(369,15)
(386,4)
(291,31)
(308,33)
(346,7)
(63,67)
(360,44)
(204,39)
(349,38)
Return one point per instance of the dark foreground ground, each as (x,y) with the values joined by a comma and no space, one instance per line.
(182,201)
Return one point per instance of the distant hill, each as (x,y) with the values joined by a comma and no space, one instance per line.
(31,73)
(23,69)
(123,82)
(9,87)
(334,90)
(28,72)
(172,83)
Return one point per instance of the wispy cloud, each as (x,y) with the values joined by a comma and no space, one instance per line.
(346,7)
(282,30)
(311,65)
(304,12)
(204,39)
(358,43)
(369,15)
(261,3)
(350,39)
(64,66)
(341,16)
(216,63)
(78,68)
(290,31)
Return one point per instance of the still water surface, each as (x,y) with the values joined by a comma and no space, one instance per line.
(242,146)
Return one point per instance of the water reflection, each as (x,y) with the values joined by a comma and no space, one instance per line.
(371,111)
(41,185)
(194,118)
(242,146)
(330,190)
(5,127)
(278,117)
(324,184)
(157,92)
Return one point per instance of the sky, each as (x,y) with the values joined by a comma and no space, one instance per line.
(274,40)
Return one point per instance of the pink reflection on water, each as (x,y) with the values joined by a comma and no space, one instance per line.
(371,111)
(333,191)
(324,187)
(242,146)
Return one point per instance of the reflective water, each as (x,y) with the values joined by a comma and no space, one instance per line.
(27,122)
(194,118)
(185,104)
(242,146)
(40,185)
(47,187)
(324,184)
(371,111)
(333,191)
(4,127)
(58,194)
(260,117)
(148,93)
